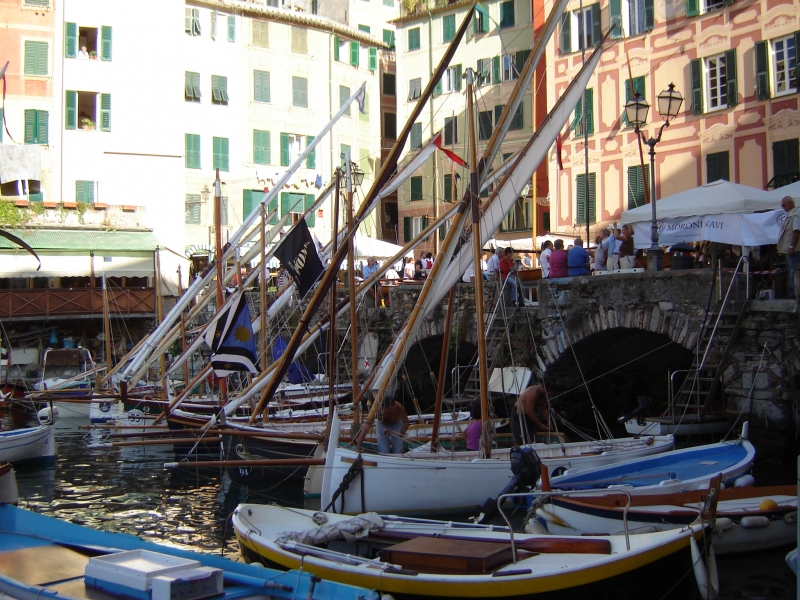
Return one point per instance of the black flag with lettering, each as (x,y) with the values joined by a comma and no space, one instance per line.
(298,255)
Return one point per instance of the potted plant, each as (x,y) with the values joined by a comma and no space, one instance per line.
(87,123)
(93,55)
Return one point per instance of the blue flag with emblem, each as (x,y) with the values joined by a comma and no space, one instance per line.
(232,341)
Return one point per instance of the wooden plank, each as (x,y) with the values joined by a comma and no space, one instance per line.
(41,565)
(442,555)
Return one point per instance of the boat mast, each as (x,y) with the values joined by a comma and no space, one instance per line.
(262,290)
(332,298)
(351,280)
(223,388)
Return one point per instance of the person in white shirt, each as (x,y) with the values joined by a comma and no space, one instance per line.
(544,258)
(408,270)
(493,266)
(601,252)
(83,54)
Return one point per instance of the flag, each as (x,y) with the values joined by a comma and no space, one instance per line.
(558,153)
(361,99)
(298,372)
(437,141)
(299,257)
(233,345)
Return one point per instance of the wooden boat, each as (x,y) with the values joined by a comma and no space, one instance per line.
(429,558)
(44,557)
(749,519)
(676,471)
(689,425)
(30,443)
(427,483)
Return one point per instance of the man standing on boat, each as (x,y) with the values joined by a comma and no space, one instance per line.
(531,414)
(391,424)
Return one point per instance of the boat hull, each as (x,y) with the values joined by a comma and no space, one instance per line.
(686,428)
(31,443)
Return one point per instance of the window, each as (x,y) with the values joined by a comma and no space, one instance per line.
(251,199)
(416,136)
(390,125)
(632,16)
(580,29)
(36,126)
(776,61)
(340,49)
(299,40)
(84,191)
(292,146)
(44,3)
(484,72)
(261,86)
(388,38)
(212,30)
(416,189)
(191,87)
(480,20)
(89,40)
(260,34)
(519,217)
(507,14)
(414,88)
(345,154)
(36,197)
(717,166)
(413,226)
(695,7)
(507,67)
(448,28)
(517,121)
(636,187)
(578,122)
(344,96)
(785,163)
(193,205)
(192,21)
(292,203)
(192,150)
(300,92)
(413,39)
(450,188)
(35,57)
(81,110)
(231,30)
(388,2)
(314,7)
(223,211)
(714,82)
(451,79)
(631,87)
(220,156)
(450,131)
(219,89)
(261,147)
(509,72)
(389,84)
(484,125)
(580,186)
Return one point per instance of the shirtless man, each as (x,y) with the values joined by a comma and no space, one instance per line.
(391,425)
(532,409)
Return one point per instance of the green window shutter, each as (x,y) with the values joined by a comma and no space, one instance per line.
(70,40)
(261,86)
(336,48)
(388,38)
(692,10)
(448,188)
(459,73)
(580,187)
(730,67)
(498,112)
(796,50)
(413,39)
(589,95)
(518,120)
(105,112)
(231,28)
(406,229)
(373,59)
(311,218)
(30,126)
(576,119)
(424,221)
(448,28)
(520,58)
(223,162)
(649,15)
(311,159)
(779,159)
(105,42)
(615,17)
(437,89)
(285,202)
(633,187)
(712,167)
(271,206)
(762,70)
(84,191)
(592,198)
(284,149)
(258,147)
(507,14)
(724,166)
(30,58)
(696,68)
(496,76)
(416,189)
(70,111)
(566,33)
(42,126)
(354,53)
(597,34)
(247,203)
(36,197)
(192,150)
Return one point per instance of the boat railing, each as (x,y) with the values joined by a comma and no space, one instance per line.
(533,495)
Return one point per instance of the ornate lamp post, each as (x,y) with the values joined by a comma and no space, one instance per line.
(669,105)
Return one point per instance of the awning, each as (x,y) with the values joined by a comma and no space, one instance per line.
(24,265)
(85,240)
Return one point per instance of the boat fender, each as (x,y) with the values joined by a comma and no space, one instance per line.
(707,578)
(319,518)
(754,522)
(551,518)
(722,524)
(790,518)
(537,526)
(767,504)
(744,481)
(47,416)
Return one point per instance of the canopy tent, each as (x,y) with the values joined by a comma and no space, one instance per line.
(523,244)
(793,190)
(367,247)
(725,212)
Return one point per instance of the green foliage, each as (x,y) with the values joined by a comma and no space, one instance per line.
(10,215)
(37,208)
(82,206)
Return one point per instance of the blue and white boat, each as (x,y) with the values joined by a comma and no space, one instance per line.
(44,557)
(30,443)
(676,471)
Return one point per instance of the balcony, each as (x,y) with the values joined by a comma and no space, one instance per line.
(81,302)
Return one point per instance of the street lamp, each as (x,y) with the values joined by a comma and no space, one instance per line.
(669,105)
(205,193)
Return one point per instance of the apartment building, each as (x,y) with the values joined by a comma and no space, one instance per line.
(735,63)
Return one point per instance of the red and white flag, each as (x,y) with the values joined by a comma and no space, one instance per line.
(437,141)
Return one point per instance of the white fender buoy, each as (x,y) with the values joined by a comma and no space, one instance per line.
(707,578)
(536,526)
(790,518)
(551,518)
(754,522)
(722,524)
(744,481)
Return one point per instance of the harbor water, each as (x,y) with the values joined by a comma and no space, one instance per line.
(127,489)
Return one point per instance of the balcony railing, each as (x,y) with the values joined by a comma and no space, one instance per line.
(83,301)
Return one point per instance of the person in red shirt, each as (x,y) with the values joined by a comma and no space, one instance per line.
(507,267)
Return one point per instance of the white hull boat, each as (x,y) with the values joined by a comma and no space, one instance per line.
(425,482)
(27,444)
(687,427)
